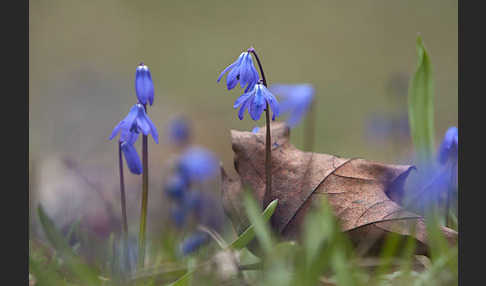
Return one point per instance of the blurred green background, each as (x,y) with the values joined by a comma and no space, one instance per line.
(359,56)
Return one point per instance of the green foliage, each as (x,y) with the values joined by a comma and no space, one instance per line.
(421,105)
(262,230)
(72,262)
(247,236)
(322,256)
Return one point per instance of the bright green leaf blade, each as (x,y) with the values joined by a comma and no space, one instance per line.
(262,230)
(247,236)
(421,106)
(183,280)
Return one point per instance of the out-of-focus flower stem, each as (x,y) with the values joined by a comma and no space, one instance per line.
(268,144)
(449,192)
(310,129)
(123,205)
(143,215)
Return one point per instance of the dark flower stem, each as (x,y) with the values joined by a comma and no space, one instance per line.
(143,216)
(123,204)
(122,192)
(268,144)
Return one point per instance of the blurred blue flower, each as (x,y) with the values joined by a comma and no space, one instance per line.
(295,99)
(255,101)
(131,157)
(198,164)
(144,87)
(178,215)
(193,243)
(255,129)
(176,187)
(241,70)
(179,131)
(449,147)
(382,127)
(136,121)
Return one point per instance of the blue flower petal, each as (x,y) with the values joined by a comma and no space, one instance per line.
(226,69)
(449,146)
(128,136)
(242,71)
(257,104)
(295,100)
(126,126)
(153,130)
(144,87)
(272,101)
(116,130)
(232,78)
(244,106)
(241,99)
(131,157)
(193,243)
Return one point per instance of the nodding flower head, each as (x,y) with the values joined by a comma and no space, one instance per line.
(255,101)
(243,71)
(144,87)
(135,122)
(179,131)
(131,157)
(449,147)
(198,164)
(295,100)
(193,243)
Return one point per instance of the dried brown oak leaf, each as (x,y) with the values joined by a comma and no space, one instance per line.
(363,194)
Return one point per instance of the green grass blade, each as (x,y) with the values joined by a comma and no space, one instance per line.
(80,270)
(243,240)
(421,105)
(183,280)
(247,236)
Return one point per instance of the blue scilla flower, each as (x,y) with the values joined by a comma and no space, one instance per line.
(241,70)
(176,187)
(144,87)
(449,147)
(295,100)
(255,129)
(255,101)
(136,121)
(193,243)
(179,131)
(131,157)
(198,164)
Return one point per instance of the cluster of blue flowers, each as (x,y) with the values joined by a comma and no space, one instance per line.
(194,166)
(137,120)
(256,95)
(296,99)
